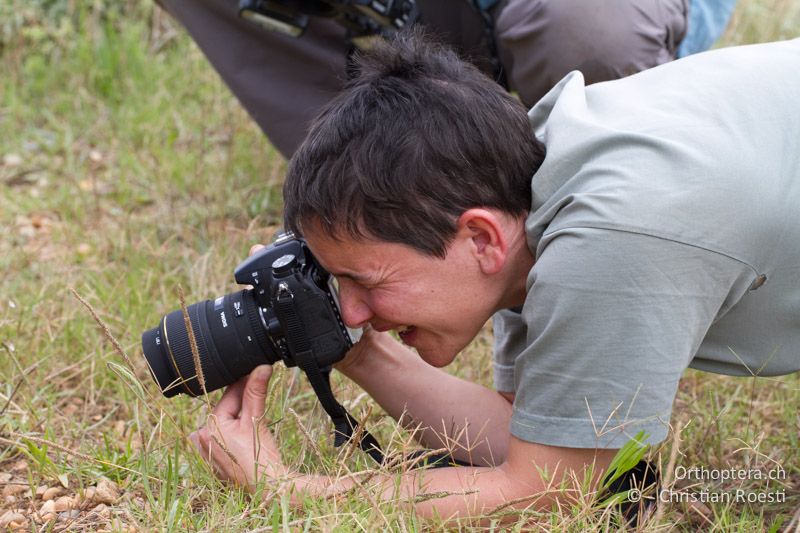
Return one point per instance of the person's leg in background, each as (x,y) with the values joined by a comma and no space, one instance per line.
(540,41)
(707,22)
(282,81)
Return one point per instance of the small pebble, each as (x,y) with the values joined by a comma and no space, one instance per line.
(102,511)
(14,489)
(27,231)
(12,519)
(10,500)
(12,160)
(40,490)
(64,503)
(106,492)
(47,507)
(69,515)
(48,511)
(52,493)
(39,221)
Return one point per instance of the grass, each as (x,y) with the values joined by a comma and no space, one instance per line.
(129,170)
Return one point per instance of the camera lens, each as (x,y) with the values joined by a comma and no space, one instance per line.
(231,336)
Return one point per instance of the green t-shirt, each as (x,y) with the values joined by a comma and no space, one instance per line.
(666,227)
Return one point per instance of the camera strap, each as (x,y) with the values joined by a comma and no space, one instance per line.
(345,426)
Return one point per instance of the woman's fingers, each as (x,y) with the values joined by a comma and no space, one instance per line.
(230,404)
(254,397)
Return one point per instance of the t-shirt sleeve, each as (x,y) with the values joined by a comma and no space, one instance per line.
(510,336)
(612,320)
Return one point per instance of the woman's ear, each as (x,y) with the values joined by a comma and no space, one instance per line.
(484,230)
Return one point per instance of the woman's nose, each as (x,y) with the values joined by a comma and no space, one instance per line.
(356,312)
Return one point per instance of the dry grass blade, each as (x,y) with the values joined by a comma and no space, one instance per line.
(306,434)
(215,430)
(530,500)
(668,475)
(201,378)
(404,462)
(10,399)
(794,525)
(104,328)
(354,442)
(427,496)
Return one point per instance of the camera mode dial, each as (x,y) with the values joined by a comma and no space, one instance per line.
(284,264)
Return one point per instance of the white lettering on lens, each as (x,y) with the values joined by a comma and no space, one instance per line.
(224,320)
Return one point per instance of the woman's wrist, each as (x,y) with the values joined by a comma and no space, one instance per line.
(375,354)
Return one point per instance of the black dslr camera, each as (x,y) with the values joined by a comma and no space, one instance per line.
(361,18)
(291,314)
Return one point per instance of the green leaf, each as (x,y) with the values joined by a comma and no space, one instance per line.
(626,458)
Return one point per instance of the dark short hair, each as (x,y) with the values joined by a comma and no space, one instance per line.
(416,138)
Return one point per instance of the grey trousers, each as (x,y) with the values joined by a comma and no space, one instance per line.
(283,82)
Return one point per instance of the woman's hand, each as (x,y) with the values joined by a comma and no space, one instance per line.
(235,439)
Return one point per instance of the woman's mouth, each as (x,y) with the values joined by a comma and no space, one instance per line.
(407,334)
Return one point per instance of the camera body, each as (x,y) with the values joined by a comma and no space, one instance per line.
(287,280)
(291,311)
(362,18)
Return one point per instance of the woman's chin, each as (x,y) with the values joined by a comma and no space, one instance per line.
(439,356)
